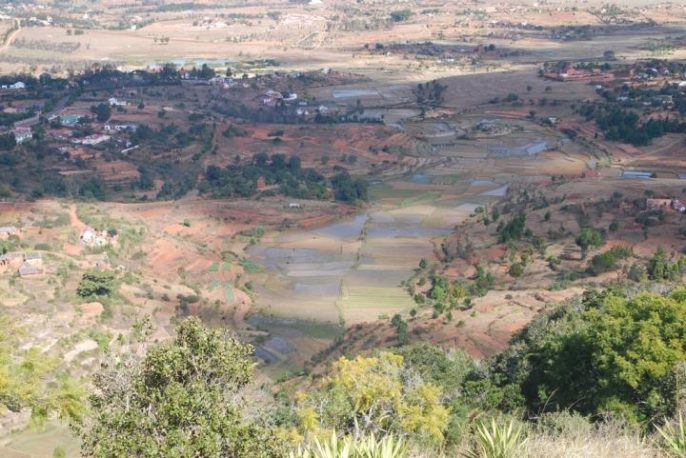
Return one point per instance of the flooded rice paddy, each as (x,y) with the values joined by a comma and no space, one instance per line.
(316,281)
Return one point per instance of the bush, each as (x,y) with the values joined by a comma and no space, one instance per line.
(601,356)
(516,270)
(607,261)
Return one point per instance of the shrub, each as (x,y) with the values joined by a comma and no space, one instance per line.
(516,270)
(607,261)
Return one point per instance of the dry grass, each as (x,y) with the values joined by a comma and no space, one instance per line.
(587,441)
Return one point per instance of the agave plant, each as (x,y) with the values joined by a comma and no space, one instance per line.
(494,440)
(350,447)
(674,437)
(386,447)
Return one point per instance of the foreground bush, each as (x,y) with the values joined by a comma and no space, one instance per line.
(182,400)
(376,395)
(610,354)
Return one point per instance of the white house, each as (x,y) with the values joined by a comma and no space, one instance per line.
(114,102)
(21,134)
(17,85)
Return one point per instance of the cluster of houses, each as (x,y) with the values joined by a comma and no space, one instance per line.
(667,203)
(94,139)
(571,73)
(18,86)
(271,97)
(24,264)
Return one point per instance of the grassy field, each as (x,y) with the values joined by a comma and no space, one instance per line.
(41,442)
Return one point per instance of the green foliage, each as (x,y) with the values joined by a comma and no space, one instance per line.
(660,268)
(240,180)
(624,125)
(97,283)
(400,326)
(401,15)
(589,238)
(374,393)
(611,353)
(494,440)
(102,111)
(181,400)
(516,270)
(349,189)
(514,229)
(483,282)
(29,379)
(607,261)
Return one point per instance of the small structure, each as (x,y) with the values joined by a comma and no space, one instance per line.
(8,231)
(22,133)
(11,261)
(93,239)
(658,204)
(32,265)
(70,120)
(121,126)
(678,206)
(27,270)
(294,206)
(33,259)
(115,102)
(92,139)
(19,85)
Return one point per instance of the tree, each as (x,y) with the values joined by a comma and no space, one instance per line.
(513,230)
(182,399)
(401,15)
(96,283)
(610,354)
(102,111)
(587,238)
(378,395)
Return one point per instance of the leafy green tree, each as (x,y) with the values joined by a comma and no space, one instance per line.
(513,230)
(607,261)
(182,400)
(102,111)
(97,283)
(611,353)
(589,238)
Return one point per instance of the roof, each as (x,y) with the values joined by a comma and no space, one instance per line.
(33,256)
(28,269)
(9,229)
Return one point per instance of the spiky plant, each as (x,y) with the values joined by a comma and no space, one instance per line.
(386,447)
(674,437)
(351,447)
(496,440)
